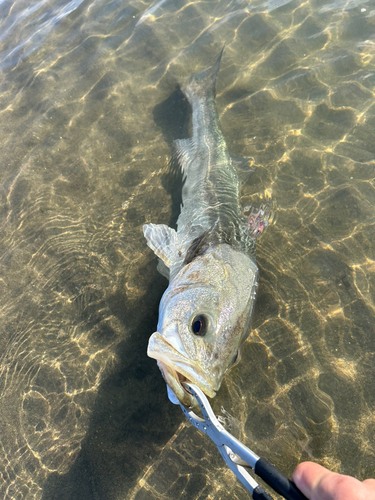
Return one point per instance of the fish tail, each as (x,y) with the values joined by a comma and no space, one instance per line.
(203,83)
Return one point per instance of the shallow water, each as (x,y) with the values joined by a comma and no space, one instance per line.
(89,107)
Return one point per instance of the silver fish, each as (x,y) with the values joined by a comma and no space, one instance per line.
(205,312)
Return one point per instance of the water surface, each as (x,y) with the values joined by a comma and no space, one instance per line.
(89,107)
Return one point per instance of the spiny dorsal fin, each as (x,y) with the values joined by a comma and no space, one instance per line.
(163,242)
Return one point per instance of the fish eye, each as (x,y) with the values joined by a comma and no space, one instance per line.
(199,325)
(235,358)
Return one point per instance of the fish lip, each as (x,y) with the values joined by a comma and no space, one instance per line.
(174,380)
(175,365)
(182,376)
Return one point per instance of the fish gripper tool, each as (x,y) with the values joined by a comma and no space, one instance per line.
(238,457)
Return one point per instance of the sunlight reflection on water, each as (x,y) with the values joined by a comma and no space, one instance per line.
(89,108)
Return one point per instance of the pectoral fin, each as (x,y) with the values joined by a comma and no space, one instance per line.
(163,242)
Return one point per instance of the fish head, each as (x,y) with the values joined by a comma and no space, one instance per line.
(204,318)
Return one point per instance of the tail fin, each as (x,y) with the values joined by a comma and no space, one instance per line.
(205,81)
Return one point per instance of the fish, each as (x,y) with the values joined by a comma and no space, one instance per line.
(204,314)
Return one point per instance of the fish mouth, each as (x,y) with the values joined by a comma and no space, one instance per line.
(177,368)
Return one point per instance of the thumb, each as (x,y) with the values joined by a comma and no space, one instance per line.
(308,476)
(318,483)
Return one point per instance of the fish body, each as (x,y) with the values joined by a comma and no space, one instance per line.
(204,314)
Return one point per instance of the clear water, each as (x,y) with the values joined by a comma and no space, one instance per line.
(89,105)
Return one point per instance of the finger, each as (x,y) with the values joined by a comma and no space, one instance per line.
(369,485)
(318,483)
(308,475)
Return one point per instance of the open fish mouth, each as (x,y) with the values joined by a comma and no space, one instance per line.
(177,368)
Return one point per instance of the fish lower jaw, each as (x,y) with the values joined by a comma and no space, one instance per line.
(175,379)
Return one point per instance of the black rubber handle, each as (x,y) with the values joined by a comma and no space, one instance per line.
(277,481)
(260,494)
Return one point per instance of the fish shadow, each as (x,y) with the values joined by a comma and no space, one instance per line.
(173,116)
(132,419)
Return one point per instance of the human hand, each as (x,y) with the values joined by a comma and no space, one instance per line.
(318,483)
